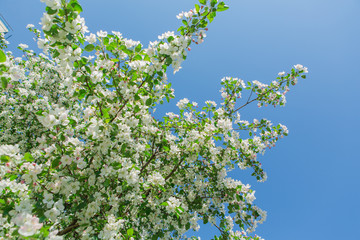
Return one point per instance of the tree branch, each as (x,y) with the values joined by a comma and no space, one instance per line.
(174,170)
(72,226)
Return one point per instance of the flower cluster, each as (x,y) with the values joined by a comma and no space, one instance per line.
(83,157)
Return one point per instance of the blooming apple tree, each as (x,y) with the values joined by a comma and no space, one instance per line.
(82,156)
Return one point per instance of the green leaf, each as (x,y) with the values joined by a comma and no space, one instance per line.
(136,109)
(50,11)
(130,232)
(164,204)
(39,113)
(5,158)
(4,82)
(222,7)
(81,205)
(181,30)
(206,11)
(82,94)
(13,177)
(89,48)
(213,3)
(128,51)
(2,56)
(178,212)
(69,37)
(106,41)
(62,137)
(116,165)
(168,61)
(123,148)
(136,97)
(106,183)
(55,163)
(76,7)
(170,39)
(106,112)
(138,48)
(197,7)
(137,57)
(203,2)
(28,157)
(147,58)
(195,21)
(45,230)
(211,16)
(56,54)
(148,102)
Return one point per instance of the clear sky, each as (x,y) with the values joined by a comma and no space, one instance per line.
(313,186)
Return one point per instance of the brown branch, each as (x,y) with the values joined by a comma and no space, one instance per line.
(174,170)
(121,108)
(72,226)
(151,158)
(147,163)
(44,187)
(261,95)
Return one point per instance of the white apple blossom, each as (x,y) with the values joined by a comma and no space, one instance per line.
(46,22)
(300,67)
(91,38)
(9,150)
(156,179)
(28,224)
(182,103)
(102,33)
(23,46)
(173,203)
(52,214)
(281,73)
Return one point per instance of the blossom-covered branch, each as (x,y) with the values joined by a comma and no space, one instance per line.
(83,157)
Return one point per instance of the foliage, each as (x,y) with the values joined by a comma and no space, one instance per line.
(82,156)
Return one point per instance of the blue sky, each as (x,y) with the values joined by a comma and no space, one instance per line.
(313,187)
